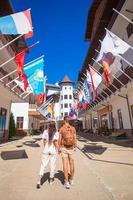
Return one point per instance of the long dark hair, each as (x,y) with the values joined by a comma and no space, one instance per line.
(51,130)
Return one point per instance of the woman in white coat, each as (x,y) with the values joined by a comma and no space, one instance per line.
(50,140)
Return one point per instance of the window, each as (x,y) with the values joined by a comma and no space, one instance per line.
(65,105)
(129,29)
(3,113)
(65,88)
(120,118)
(70,105)
(70,88)
(20,121)
(31,99)
(66,114)
(62,114)
(61,97)
(70,96)
(132,110)
(65,96)
(111,120)
(61,105)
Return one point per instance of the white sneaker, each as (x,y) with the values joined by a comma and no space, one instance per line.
(71,182)
(67,185)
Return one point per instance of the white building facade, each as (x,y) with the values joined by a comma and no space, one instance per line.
(66,96)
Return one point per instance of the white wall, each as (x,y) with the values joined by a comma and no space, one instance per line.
(21,110)
(121,103)
(6,97)
(57,110)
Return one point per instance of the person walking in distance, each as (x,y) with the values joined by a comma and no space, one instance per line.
(67,145)
(50,140)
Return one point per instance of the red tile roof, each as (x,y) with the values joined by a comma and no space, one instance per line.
(66,80)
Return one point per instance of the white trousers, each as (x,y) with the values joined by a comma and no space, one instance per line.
(46,158)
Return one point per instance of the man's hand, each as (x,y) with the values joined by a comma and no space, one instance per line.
(59,151)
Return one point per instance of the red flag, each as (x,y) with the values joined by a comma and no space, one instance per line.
(28,16)
(24,78)
(106,71)
(106,62)
(92,82)
(85,106)
(20,61)
(41,97)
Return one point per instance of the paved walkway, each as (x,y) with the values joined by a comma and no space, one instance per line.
(103,171)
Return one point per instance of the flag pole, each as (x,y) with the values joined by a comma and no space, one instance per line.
(43,105)
(118,37)
(17,54)
(111,74)
(102,90)
(26,95)
(125,61)
(12,81)
(11,42)
(14,87)
(22,93)
(122,16)
(101,67)
(24,66)
(44,108)
(33,60)
(8,74)
(101,94)
(119,69)
(102,78)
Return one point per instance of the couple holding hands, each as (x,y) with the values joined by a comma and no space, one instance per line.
(62,142)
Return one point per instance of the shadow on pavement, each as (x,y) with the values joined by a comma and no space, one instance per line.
(37,139)
(45,178)
(17,154)
(96,149)
(31,144)
(86,137)
(60,176)
(91,157)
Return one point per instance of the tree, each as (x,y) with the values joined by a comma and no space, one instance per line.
(12,128)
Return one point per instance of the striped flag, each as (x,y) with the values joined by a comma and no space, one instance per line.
(18,23)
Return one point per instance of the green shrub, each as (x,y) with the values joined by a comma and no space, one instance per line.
(12,128)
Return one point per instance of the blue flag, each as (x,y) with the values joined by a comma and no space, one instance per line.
(35,76)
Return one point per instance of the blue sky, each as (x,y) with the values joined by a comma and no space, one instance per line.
(60,27)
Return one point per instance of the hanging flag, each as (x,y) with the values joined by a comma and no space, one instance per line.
(24,78)
(93,87)
(35,75)
(50,111)
(20,63)
(89,84)
(85,106)
(80,95)
(113,44)
(18,23)
(21,85)
(42,96)
(86,92)
(106,61)
(96,78)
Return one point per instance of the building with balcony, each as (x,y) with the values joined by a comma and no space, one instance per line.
(113,109)
(10,91)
